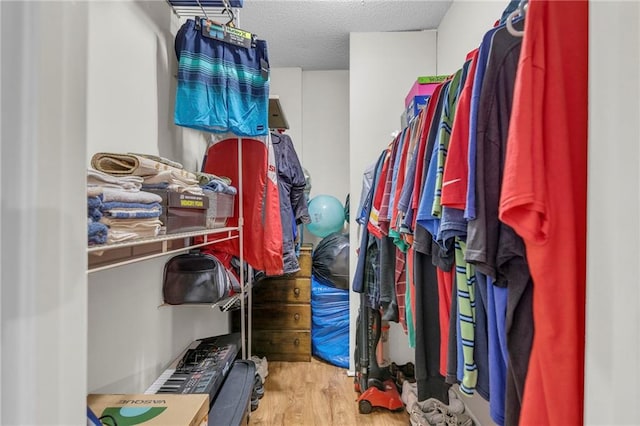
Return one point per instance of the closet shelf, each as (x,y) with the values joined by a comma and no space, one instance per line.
(202,8)
(227,304)
(106,256)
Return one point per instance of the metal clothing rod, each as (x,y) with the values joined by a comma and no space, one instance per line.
(204,11)
(211,9)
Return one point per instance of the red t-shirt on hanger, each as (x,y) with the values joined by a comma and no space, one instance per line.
(544,200)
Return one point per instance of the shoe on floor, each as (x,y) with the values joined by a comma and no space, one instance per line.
(461,419)
(435,412)
(262,366)
(258,388)
(434,417)
(417,417)
(254,404)
(409,395)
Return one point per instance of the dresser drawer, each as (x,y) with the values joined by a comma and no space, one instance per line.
(283,290)
(282,345)
(277,317)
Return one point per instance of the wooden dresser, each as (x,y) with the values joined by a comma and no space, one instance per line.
(281,314)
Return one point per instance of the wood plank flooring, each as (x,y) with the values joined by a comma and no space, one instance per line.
(315,393)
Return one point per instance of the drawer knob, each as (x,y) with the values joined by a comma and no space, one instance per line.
(296,342)
(296,291)
(296,317)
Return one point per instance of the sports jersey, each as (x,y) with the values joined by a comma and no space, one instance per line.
(466,299)
(260,198)
(430,381)
(293,205)
(424,215)
(373,224)
(456,172)
(423,150)
(446,122)
(483,54)
(492,246)
(384,216)
(544,200)
(495,300)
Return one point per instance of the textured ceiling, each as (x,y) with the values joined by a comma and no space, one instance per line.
(314,35)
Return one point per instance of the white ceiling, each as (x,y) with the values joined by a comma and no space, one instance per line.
(314,34)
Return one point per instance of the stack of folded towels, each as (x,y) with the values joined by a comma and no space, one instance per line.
(119,208)
(97,230)
(120,211)
(156,172)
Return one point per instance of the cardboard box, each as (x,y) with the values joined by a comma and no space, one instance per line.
(182,212)
(180,199)
(152,410)
(419,89)
(432,79)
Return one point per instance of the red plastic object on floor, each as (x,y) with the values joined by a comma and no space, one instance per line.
(385,395)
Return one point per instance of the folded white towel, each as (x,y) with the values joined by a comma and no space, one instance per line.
(168,176)
(129,229)
(94,191)
(190,189)
(116,194)
(98,178)
(130,164)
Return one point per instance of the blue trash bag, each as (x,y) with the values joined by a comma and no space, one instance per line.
(330,323)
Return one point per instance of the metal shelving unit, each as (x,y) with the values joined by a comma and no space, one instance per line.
(209,9)
(209,236)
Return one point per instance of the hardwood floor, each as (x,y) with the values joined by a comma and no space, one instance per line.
(315,393)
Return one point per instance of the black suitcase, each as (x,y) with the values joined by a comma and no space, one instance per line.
(231,406)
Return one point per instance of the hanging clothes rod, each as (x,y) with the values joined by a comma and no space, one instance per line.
(206,8)
(206,3)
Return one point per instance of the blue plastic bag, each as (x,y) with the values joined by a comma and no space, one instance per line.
(330,323)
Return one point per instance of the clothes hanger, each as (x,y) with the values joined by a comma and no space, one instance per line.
(520,11)
(203,11)
(229,11)
(228,32)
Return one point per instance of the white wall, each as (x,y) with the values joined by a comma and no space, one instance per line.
(613,297)
(316,104)
(286,83)
(43,250)
(462,29)
(377,88)
(325,149)
(130,96)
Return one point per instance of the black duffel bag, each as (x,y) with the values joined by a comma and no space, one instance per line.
(195,277)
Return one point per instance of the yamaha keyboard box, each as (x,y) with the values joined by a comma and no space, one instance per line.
(151,410)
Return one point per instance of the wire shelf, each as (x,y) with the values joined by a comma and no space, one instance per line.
(205,8)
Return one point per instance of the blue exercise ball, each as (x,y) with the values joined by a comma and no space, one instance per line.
(327,215)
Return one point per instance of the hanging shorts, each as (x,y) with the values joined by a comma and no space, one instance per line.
(221,87)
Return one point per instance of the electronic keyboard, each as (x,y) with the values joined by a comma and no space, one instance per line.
(201,368)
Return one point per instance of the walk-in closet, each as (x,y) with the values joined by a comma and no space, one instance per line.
(353,254)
